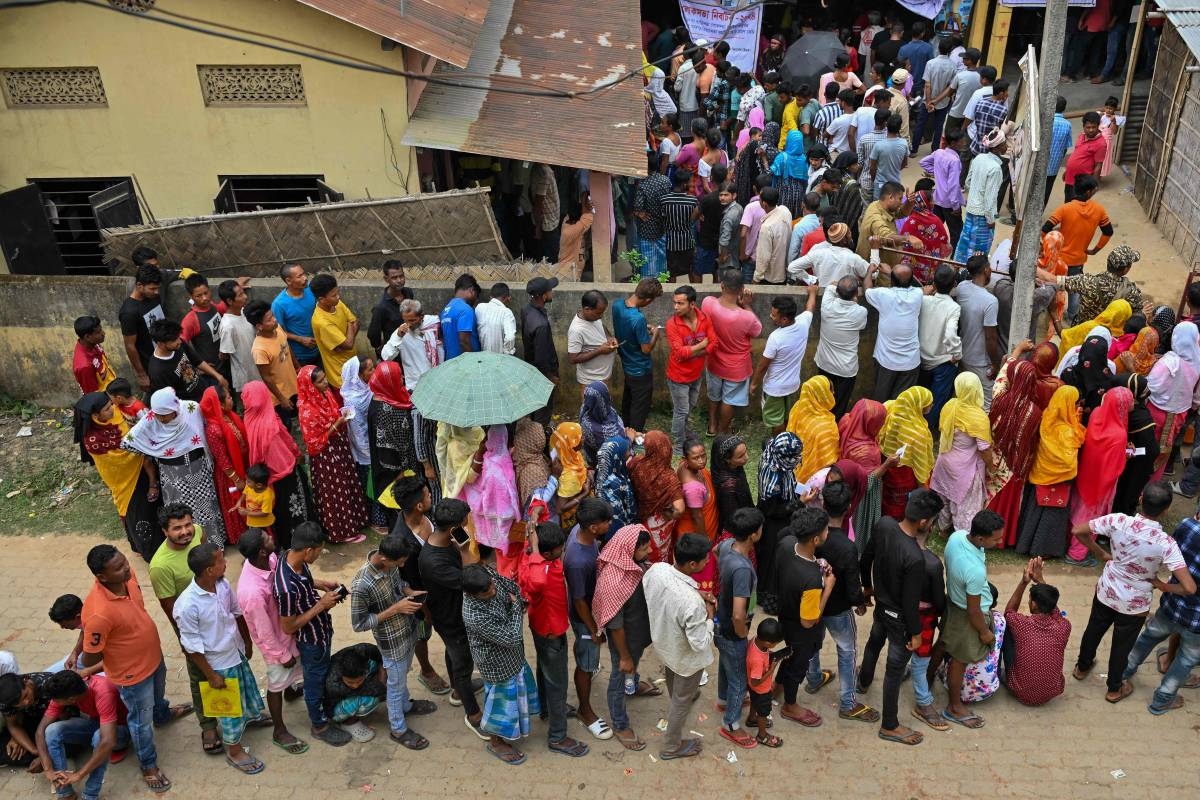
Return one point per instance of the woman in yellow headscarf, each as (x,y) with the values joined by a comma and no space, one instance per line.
(812,420)
(572,483)
(1113,317)
(906,427)
(1045,516)
(459,457)
(960,472)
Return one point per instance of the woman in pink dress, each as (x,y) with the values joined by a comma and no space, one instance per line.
(493,498)
(961,469)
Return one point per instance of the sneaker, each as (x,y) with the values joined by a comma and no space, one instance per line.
(359,731)
(1179,491)
(333,735)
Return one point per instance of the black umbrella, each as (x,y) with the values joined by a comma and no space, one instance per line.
(810,57)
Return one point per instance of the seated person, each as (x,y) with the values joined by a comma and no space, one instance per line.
(355,685)
(1036,644)
(83,712)
(67,613)
(23,701)
(981,678)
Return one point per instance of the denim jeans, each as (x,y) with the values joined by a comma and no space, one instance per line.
(844,633)
(398,701)
(1116,48)
(1158,629)
(731,677)
(617,713)
(920,680)
(684,397)
(931,121)
(552,682)
(314,663)
(748,271)
(147,705)
(80,731)
(889,627)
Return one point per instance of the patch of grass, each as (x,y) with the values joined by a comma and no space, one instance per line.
(54,499)
(24,410)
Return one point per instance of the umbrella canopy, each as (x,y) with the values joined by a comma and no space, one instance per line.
(476,389)
(810,57)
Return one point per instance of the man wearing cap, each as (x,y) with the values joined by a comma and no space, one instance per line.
(899,104)
(983,189)
(831,260)
(1096,291)
(537,339)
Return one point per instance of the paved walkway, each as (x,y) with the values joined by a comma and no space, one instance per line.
(1068,749)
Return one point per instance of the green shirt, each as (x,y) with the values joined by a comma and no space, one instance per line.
(169,573)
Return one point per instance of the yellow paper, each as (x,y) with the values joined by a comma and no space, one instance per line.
(225,702)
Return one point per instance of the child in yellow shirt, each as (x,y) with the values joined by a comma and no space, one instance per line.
(257,504)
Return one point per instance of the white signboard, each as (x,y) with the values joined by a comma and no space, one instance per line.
(721,20)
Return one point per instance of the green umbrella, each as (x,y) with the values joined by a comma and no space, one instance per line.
(481,389)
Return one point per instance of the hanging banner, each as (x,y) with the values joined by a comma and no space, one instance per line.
(716,21)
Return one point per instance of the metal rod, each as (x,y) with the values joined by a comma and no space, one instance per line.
(917,254)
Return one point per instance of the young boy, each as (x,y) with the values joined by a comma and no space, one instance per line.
(738,579)
(729,241)
(120,391)
(493,610)
(778,371)
(761,662)
(67,613)
(90,364)
(353,688)
(237,335)
(334,327)
(202,325)
(177,364)
(257,504)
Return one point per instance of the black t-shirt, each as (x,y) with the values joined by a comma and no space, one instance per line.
(798,584)
(634,617)
(411,571)
(135,317)
(441,572)
(179,372)
(710,226)
(842,556)
(207,343)
(894,565)
(887,51)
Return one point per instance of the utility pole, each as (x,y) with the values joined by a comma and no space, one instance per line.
(1024,271)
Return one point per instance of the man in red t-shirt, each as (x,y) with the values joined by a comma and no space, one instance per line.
(734,327)
(90,364)
(100,724)
(1088,155)
(689,334)
(1035,645)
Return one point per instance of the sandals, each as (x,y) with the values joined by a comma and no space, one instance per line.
(251,766)
(158,782)
(807,718)
(436,684)
(769,740)
(1125,690)
(861,712)
(1174,704)
(826,677)
(752,722)
(599,728)
(297,747)
(688,748)
(513,757)
(1079,673)
(969,720)
(633,743)
(410,739)
(647,689)
(1159,655)
(177,711)
(739,737)
(213,746)
(261,721)
(932,719)
(475,729)
(420,707)
(569,747)
(910,738)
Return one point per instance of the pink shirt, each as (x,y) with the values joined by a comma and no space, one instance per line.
(752,217)
(1140,548)
(733,331)
(261,612)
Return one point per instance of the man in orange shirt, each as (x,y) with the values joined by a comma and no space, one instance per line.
(117,630)
(1077,221)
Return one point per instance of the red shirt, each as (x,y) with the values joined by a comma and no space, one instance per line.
(545,587)
(101,702)
(811,239)
(1036,674)
(1084,158)
(682,366)
(760,671)
(91,368)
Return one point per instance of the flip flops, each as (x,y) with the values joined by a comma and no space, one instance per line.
(966,721)
(688,748)
(861,712)
(251,766)
(1174,704)
(809,719)
(569,747)
(1125,690)
(826,677)
(910,738)
(436,687)
(743,740)
(932,719)
(296,748)
(635,744)
(508,758)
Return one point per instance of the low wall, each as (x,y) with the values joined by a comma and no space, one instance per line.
(37,314)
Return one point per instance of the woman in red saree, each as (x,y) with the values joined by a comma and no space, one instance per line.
(1016,419)
(859,432)
(929,228)
(227,445)
(341,503)
(659,494)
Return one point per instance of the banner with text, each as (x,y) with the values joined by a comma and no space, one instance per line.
(714,21)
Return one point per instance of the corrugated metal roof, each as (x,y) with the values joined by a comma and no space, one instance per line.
(545,44)
(1185,16)
(445,29)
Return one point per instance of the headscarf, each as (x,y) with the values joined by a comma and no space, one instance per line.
(906,426)
(493,496)
(1091,375)
(757,119)
(617,574)
(1043,358)
(565,441)
(662,101)
(747,166)
(1062,434)
(792,162)
(811,418)
(1172,382)
(855,477)
(859,433)
(929,228)
(266,438)
(598,416)
(655,485)
(1071,357)
(964,412)
(730,483)
(1139,416)
(530,463)
(107,435)
(157,439)
(218,419)
(1102,459)
(1016,419)
(1185,342)
(387,385)
(1142,354)
(771,135)
(777,468)
(613,485)
(455,449)
(1113,318)
(317,411)
(1050,258)
(1163,321)
(844,160)
(357,395)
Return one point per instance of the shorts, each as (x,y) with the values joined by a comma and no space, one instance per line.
(731,393)
(587,651)
(705,261)
(961,638)
(775,409)
(280,677)
(680,262)
(760,703)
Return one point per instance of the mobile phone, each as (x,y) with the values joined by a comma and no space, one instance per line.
(342,591)
(780,655)
(460,536)
(419,597)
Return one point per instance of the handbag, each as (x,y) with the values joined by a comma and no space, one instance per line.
(1053,496)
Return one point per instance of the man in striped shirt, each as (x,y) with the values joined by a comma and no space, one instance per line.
(830,111)
(865,143)
(679,211)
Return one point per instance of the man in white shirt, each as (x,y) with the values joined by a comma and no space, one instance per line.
(415,343)
(496,323)
(941,349)
(840,133)
(681,630)
(842,322)
(237,335)
(778,371)
(831,260)
(589,346)
(897,344)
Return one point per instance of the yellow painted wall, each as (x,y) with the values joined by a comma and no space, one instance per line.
(157,127)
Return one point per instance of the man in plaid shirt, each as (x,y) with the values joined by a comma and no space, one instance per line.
(381,602)
(717,102)
(989,114)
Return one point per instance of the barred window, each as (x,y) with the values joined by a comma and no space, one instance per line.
(53,87)
(256,85)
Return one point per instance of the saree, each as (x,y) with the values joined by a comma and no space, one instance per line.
(226,435)
(859,431)
(1101,462)
(812,420)
(493,495)
(614,487)
(456,449)
(929,228)
(341,504)
(906,427)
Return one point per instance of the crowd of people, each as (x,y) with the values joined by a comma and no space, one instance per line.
(603,533)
